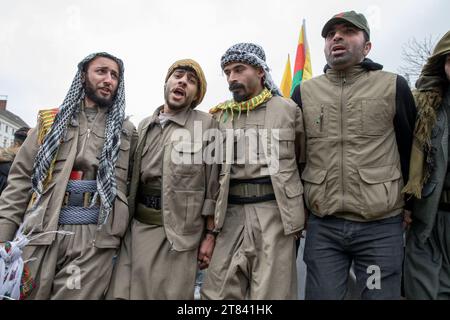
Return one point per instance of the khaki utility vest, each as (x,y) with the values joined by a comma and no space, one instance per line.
(353,164)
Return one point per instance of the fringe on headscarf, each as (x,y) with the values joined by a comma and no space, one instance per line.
(422,157)
(229,107)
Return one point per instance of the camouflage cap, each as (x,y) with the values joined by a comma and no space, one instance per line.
(356,19)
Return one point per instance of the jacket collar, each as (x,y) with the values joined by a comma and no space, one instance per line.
(353,73)
(180,118)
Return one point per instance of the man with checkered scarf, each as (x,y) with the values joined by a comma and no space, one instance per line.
(67,187)
(259,210)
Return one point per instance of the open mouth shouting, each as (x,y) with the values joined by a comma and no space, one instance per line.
(338,49)
(179,93)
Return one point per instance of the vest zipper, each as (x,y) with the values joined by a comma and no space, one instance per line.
(321,119)
(342,160)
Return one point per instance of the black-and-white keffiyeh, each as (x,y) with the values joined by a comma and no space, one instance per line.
(253,55)
(106,179)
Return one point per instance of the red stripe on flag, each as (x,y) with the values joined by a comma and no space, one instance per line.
(300,58)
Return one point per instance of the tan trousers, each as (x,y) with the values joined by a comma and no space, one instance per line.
(147,268)
(70,268)
(252,259)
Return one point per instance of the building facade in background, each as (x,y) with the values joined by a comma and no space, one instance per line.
(9,123)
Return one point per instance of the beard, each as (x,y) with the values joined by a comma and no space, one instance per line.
(175,106)
(339,61)
(238,97)
(352,56)
(90,91)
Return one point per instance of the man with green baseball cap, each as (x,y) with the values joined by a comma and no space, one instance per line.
(356,19)
(359,123)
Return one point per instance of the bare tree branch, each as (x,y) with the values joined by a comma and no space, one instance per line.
(414,56)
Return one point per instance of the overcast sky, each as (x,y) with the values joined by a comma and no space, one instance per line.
(42,41)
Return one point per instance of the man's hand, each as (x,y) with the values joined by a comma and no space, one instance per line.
(205,251)
(407,219)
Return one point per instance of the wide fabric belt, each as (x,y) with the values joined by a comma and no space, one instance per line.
(75,208)
(148,207)
(153,202)
(250,191)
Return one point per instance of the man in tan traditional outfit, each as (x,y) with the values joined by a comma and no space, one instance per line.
(259,211)
(172,196)
(68,186)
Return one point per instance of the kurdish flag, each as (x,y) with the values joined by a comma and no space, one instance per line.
(286,82)
(302,67)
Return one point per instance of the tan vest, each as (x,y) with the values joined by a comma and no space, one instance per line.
(288,189)
(353,164)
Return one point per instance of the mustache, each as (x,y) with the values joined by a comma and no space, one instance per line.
(235,86)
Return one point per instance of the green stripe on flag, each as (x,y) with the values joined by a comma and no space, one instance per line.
(296,80)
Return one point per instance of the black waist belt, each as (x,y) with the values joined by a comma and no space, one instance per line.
(148,209)
(153,202)
(149,196)
(251,191)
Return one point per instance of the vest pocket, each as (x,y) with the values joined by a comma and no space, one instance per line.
(124,152)
(185,211)
(376,117)
(284,140)
(122,163)
(65,146)
(316,120)
(186,159)
(380,189)
(315,188)
(120,215)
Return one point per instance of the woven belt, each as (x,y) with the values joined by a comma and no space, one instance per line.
(75,209)
(250,191)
